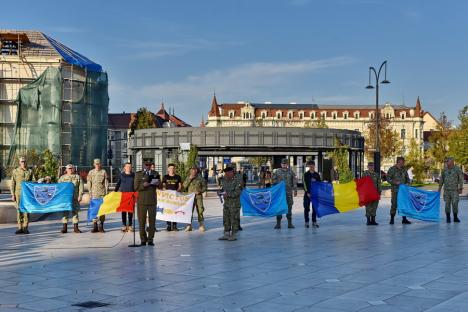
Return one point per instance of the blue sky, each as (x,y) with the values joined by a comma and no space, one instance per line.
(281,51)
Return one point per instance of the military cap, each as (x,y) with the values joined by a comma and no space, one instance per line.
(97,161)
(449,158)
(310,163)
(69,166)
(285,161)
(228,169)
(21,159)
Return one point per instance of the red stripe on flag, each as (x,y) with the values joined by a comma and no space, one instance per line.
(127,202)
(366,191)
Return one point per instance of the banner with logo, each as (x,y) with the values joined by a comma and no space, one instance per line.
(46,198)
(418,204)
(267,202)
(174,207)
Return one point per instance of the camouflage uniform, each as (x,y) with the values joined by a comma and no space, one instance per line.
(395,175)
(196,185)
(20,175)
(452,181)
(290,180)
(97,186)
(231,208)
(371,208)
(77,182)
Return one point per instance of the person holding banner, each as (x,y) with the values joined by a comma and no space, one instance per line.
(396,176)
(172,181)
(289,177)
(97,187)
(310,177)
(126,184)
(232,189)
(452,181)
(77,182)
(371,208)
(196,184)
(145,184)
(20,174)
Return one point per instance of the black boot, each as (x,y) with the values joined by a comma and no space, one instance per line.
(373,221)
(64,228)
(19,231)
(448,218)
(392,219)
(101,227)
(278,223)
(405,221)
(95,228)
(368,220)
(455,218)
(25,230)
(290,225)
(76,229)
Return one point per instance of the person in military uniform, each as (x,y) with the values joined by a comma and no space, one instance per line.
(145,184)
(232,189)
(239,177)
(75,179)
(20,174)
(289,177)
(371,208)
(396,176)
(196,184)
(98,186)
(452,181)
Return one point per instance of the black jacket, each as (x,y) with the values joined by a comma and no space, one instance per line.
(309,178)
(125,182)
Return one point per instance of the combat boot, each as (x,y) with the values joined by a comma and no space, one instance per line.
(95,228)
(290,225)
(405,221)
(455,218)
(25,230)
(188,228)
(448,218)
(307,225)
(101,227)
(225,236)
(76,229)
(278,223)
(373,221)
(19,231)
(202,227)
(64,228)
(232,237)
(240,228)
(392,219)
(368,220)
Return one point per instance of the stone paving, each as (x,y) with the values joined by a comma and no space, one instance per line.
(342,266)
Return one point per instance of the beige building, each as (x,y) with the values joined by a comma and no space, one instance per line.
(408,121)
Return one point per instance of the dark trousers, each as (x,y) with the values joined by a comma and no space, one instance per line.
(145,212)
(171,224)
(307,203)
(124,218)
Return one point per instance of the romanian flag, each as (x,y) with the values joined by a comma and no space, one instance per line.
(111,203)
(336,198)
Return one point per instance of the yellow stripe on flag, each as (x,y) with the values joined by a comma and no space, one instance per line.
(110,204)
(346,196)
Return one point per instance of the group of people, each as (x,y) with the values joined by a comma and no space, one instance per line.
(146,181)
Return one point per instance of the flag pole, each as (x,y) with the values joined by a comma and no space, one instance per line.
(134,229)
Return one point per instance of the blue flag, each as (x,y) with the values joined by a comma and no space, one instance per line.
(94,205)
(267,202)
(45,198)
(418,204)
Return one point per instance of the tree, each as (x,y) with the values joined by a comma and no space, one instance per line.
(42,165)
(390,142)
(143,119)
(415,159)
(340,157)
(439,141)
(258,161)
(183,167)
(458,140)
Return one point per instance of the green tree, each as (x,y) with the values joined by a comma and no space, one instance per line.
(439,141)
(340,157)
(458,139)
(143,119)
(390,142)
(183,167)
(42,164)
(416,160)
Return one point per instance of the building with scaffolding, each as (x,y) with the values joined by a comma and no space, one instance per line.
(51,97)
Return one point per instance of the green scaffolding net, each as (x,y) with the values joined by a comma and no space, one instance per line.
(65,111)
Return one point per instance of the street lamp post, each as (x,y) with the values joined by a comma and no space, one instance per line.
(377,113)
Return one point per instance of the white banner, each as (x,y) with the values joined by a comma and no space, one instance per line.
(174,207)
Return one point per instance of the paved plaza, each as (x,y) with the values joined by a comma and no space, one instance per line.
(342,266)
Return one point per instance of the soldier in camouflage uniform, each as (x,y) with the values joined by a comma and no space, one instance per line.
(238,176)
(397,175)
(196,184)
(231,208)
(77,182)
(371,208)
(97,187)
(289,177)
(452,181)
(20,174)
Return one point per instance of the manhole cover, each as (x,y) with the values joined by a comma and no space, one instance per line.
(90,304)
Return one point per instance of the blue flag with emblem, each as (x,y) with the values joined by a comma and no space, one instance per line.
(46,198)
(267,202)
(418,204)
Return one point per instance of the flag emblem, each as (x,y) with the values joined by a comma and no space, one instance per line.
(44,194)
(261,200)
(419,200)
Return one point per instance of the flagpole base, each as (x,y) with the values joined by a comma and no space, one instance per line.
(134,245)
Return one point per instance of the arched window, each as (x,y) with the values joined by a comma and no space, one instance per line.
(290,115)
(312,115)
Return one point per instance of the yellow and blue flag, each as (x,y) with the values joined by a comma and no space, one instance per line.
(267,202)
(46,198)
